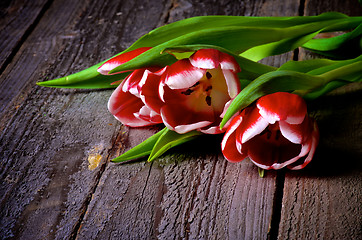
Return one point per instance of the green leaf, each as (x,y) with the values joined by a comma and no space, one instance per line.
(277,81)
(195,24)
(325,89)
(170,139)
(313,83)
(156,145)
(275,48)
(235,33)
(228,38)
(86,79)
(348,45)
(306,65)
(141,150)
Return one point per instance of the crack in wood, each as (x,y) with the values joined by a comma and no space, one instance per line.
(87,200)
(26,34)
(277,206)
(139,208)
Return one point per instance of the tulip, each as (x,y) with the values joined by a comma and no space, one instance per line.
(120,59)
(274,133)
(125,102)
(193,93)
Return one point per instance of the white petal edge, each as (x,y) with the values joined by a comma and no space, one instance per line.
(310,155)
(205,63)
(253,130)
(288,133)
(269,116)
(232,83)
(231,131)
(184,79)
(226,65)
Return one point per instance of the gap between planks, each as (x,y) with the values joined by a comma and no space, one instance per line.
(25,36)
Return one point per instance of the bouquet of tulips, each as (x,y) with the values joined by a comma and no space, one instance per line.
(201,76)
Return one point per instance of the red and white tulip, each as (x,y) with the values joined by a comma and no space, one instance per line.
(193,93)
(125,102)
(274,133)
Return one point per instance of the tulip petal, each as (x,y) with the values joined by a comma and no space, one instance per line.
(282,106)
(293,132)
(119,60)
(212,130)
(149,85)
(232,82)
(181,129)
(148,115)
(228,144)
(181,119)
(130,84)
(205,58)
(123,106)
(313,142)
(127,107)
(182,75)
(267,155)
(228,62)
(253,125)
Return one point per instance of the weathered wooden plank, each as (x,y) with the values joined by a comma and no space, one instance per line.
(48,135)
(16,21)
(324,200)
(190,193)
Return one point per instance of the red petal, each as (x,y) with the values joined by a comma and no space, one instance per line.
(129,109)
(123,106)
(282,106)
(131,83)
(182,75)
(205,58)
(148,115)
(150,90)
(181,119)
(293,132)
(228,144)
(228,62)
(212,130)
(120,59)
(252,125)
(313,142)
(212,58)
(270,156)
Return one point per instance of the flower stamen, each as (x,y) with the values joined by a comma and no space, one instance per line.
(208,75)
(208,88)
(208,100)
(187,92)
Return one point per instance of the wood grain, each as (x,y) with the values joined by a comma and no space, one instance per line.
(324,200)
(48,133)
(17,19)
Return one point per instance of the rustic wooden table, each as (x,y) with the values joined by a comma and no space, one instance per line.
(49,189)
